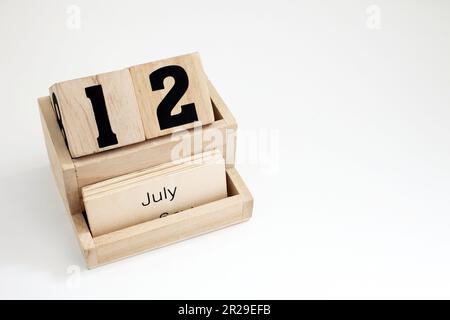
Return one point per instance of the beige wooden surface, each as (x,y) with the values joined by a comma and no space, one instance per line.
(237,207)
(105,165)
(149,100)
(139,199)
(221,134)
(78,116)
(107,184)
(61,162)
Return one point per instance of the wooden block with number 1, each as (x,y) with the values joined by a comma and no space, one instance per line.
(172,95)
(97,113)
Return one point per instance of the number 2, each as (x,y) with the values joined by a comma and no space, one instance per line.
(188,112)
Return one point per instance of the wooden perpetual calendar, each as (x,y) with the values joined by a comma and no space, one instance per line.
(143,157)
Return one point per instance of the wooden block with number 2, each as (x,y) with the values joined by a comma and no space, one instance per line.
(172,95)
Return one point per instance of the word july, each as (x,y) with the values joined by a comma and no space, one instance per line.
(164,192)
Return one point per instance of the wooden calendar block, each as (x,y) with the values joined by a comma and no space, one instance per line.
(172,95)
(97,113)
(72,174)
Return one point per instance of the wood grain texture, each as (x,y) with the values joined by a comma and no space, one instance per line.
(183,225)
(105,165)
(149,100)
(97,251)
(138,199)
(237,186)
(220,107)
(108,164)
(65,176)
(61,162)
(78,117)
(109,184)
(85,240)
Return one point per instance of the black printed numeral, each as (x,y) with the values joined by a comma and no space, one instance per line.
(106,137)
(57,111)
(188,113)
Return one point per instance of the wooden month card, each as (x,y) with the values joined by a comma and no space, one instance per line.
(155,192)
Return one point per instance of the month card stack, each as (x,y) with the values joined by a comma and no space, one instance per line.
(155,192)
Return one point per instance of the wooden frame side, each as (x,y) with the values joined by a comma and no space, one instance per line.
(221,106)
(243,191)
(65,175)
(231,131)
(85,240)
(60,160)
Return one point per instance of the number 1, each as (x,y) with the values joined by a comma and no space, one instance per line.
(106,137)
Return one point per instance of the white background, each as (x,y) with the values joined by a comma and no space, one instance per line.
(352,202)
